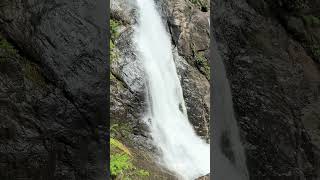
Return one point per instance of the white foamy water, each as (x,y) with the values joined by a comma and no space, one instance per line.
(182,151)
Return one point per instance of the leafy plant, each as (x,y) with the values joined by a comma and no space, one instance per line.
(316,51)
(202,64)
(6,46)
(114,26)
(119,163)
(143,173)
(113,127)
(121,160)
(310,20)
(113,53)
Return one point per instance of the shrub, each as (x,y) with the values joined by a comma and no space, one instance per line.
(114,26)
(6,46)
(119,163)
(310,20)
(143,173)
(202,64)
(316,51)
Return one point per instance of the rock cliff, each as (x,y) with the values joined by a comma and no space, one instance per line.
(54,76)
(187,23)
(53,97)
(270,49)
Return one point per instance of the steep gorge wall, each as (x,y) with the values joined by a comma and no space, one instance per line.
(53,90)
(189,29)
(193,70)
(269,48)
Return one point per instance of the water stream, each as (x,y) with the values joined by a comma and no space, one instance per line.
(182,151)
(229,161)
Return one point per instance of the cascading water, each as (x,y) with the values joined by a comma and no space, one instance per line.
(182,151)
(229,161)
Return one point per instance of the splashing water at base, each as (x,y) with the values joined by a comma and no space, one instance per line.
(182,151)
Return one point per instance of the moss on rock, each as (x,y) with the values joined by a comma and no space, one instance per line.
(114,31)
(32,72)
(6,47)
(201,62)
(311,20)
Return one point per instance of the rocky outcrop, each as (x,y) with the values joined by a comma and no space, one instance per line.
(196,91)
(128,105)
(275,78)
(189,28)
(207,177)
(53,90)
(128,70)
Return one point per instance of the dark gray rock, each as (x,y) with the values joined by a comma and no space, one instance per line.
(274,81)
(128,69)
(54,90)
(189,27)
(128,105)
(196,92)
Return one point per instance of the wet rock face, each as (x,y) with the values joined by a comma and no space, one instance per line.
(128,70)
(128,91)
(275,82)
(196,92)
(189,29)
(128,99)
(117,11)
(53,90)
(187,24)
(207,177)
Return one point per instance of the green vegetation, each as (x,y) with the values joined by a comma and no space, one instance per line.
(117,144)
(203,65)
(32,73)
(201,62)
(143,173)
(316,51)
(114,27)
(6,46)
(112,77)
(113,53)
(121,159)
(120,163)
(310,20)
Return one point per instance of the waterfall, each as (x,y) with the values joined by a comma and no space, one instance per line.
(229,161)
(182,151)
